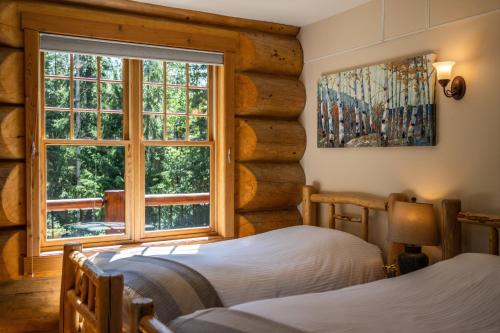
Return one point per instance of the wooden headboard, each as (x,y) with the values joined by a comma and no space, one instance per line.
(311,198)
(451,227)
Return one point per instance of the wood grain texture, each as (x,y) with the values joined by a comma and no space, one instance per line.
(350,198)
(12,194)
(309,208)
(129,29)
(252,223)
(264,53)
(185,15)
(10,25)
(11,76)
(451,229)
(12,248)
(12,143)
(260,140)
(261,186)
(269,96)
(29,305)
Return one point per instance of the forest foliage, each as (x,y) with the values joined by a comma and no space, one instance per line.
(175,107)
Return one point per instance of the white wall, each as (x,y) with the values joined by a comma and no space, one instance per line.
(465,163)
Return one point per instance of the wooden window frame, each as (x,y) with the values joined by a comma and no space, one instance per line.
(146,31)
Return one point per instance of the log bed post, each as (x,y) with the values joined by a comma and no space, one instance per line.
(67,320)
(332,223)
(309,208)
(365,213)
(451,229)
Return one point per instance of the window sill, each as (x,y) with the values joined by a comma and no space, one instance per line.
(49,263)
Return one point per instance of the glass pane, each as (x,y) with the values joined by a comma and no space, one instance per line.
(152,99)
(176,73)
(198,101)
(111,96)
(153,127)
(57,93)
(152,71)
(85,172)
(57,124)
(85,95)
(57,63)
(84,66)
(86,125)
(198,75)
(176,128)
(172,217)
(177,170)
(198,128)
(112,126)
(176,100)
(111,68)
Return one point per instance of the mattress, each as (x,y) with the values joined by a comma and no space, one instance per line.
(456,295)
(284,262)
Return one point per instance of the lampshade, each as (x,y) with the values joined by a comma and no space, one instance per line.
(443,69)
(413,223)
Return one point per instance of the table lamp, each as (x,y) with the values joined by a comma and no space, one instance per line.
(413,224)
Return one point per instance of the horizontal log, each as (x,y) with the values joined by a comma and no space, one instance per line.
(269,96)
(479,219)
(186,15)
(12,129)
(269,140)
(357,199)
(10,24)
(11,76)
(261,186)
(12,248)
(177,199)
(12,194)
(58,205)
(271,54)
(257,222)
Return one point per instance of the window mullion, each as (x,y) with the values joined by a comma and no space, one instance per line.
(136,148)
(71,98)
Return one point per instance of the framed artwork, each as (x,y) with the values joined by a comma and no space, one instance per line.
(385,105)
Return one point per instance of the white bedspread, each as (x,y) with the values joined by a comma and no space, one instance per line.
(289,261)
(458,295)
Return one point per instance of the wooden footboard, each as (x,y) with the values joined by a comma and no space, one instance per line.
(91,300)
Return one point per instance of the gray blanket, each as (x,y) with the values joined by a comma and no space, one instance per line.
(175,289)
(223,320)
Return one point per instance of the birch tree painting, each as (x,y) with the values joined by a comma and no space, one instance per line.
(384,105)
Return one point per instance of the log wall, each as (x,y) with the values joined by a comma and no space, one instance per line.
(269,140)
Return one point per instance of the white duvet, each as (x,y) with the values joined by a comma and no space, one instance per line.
(284,262)
(457,295)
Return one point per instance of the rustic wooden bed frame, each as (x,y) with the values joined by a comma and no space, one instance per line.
(91,300)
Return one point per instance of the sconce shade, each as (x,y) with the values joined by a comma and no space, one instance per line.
(443,69)
(413,223)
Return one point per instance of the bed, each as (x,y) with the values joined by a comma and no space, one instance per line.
(459,294)
(289,261)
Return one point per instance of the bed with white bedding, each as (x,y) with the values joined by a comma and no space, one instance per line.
(456,295)
(284,262)
(181,280)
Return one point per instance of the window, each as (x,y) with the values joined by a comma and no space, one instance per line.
(127,149)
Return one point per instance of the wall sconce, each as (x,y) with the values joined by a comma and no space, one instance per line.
(443,70)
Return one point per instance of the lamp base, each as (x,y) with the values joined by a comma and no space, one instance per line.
(412,259)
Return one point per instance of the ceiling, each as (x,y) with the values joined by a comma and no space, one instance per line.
(293,12)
